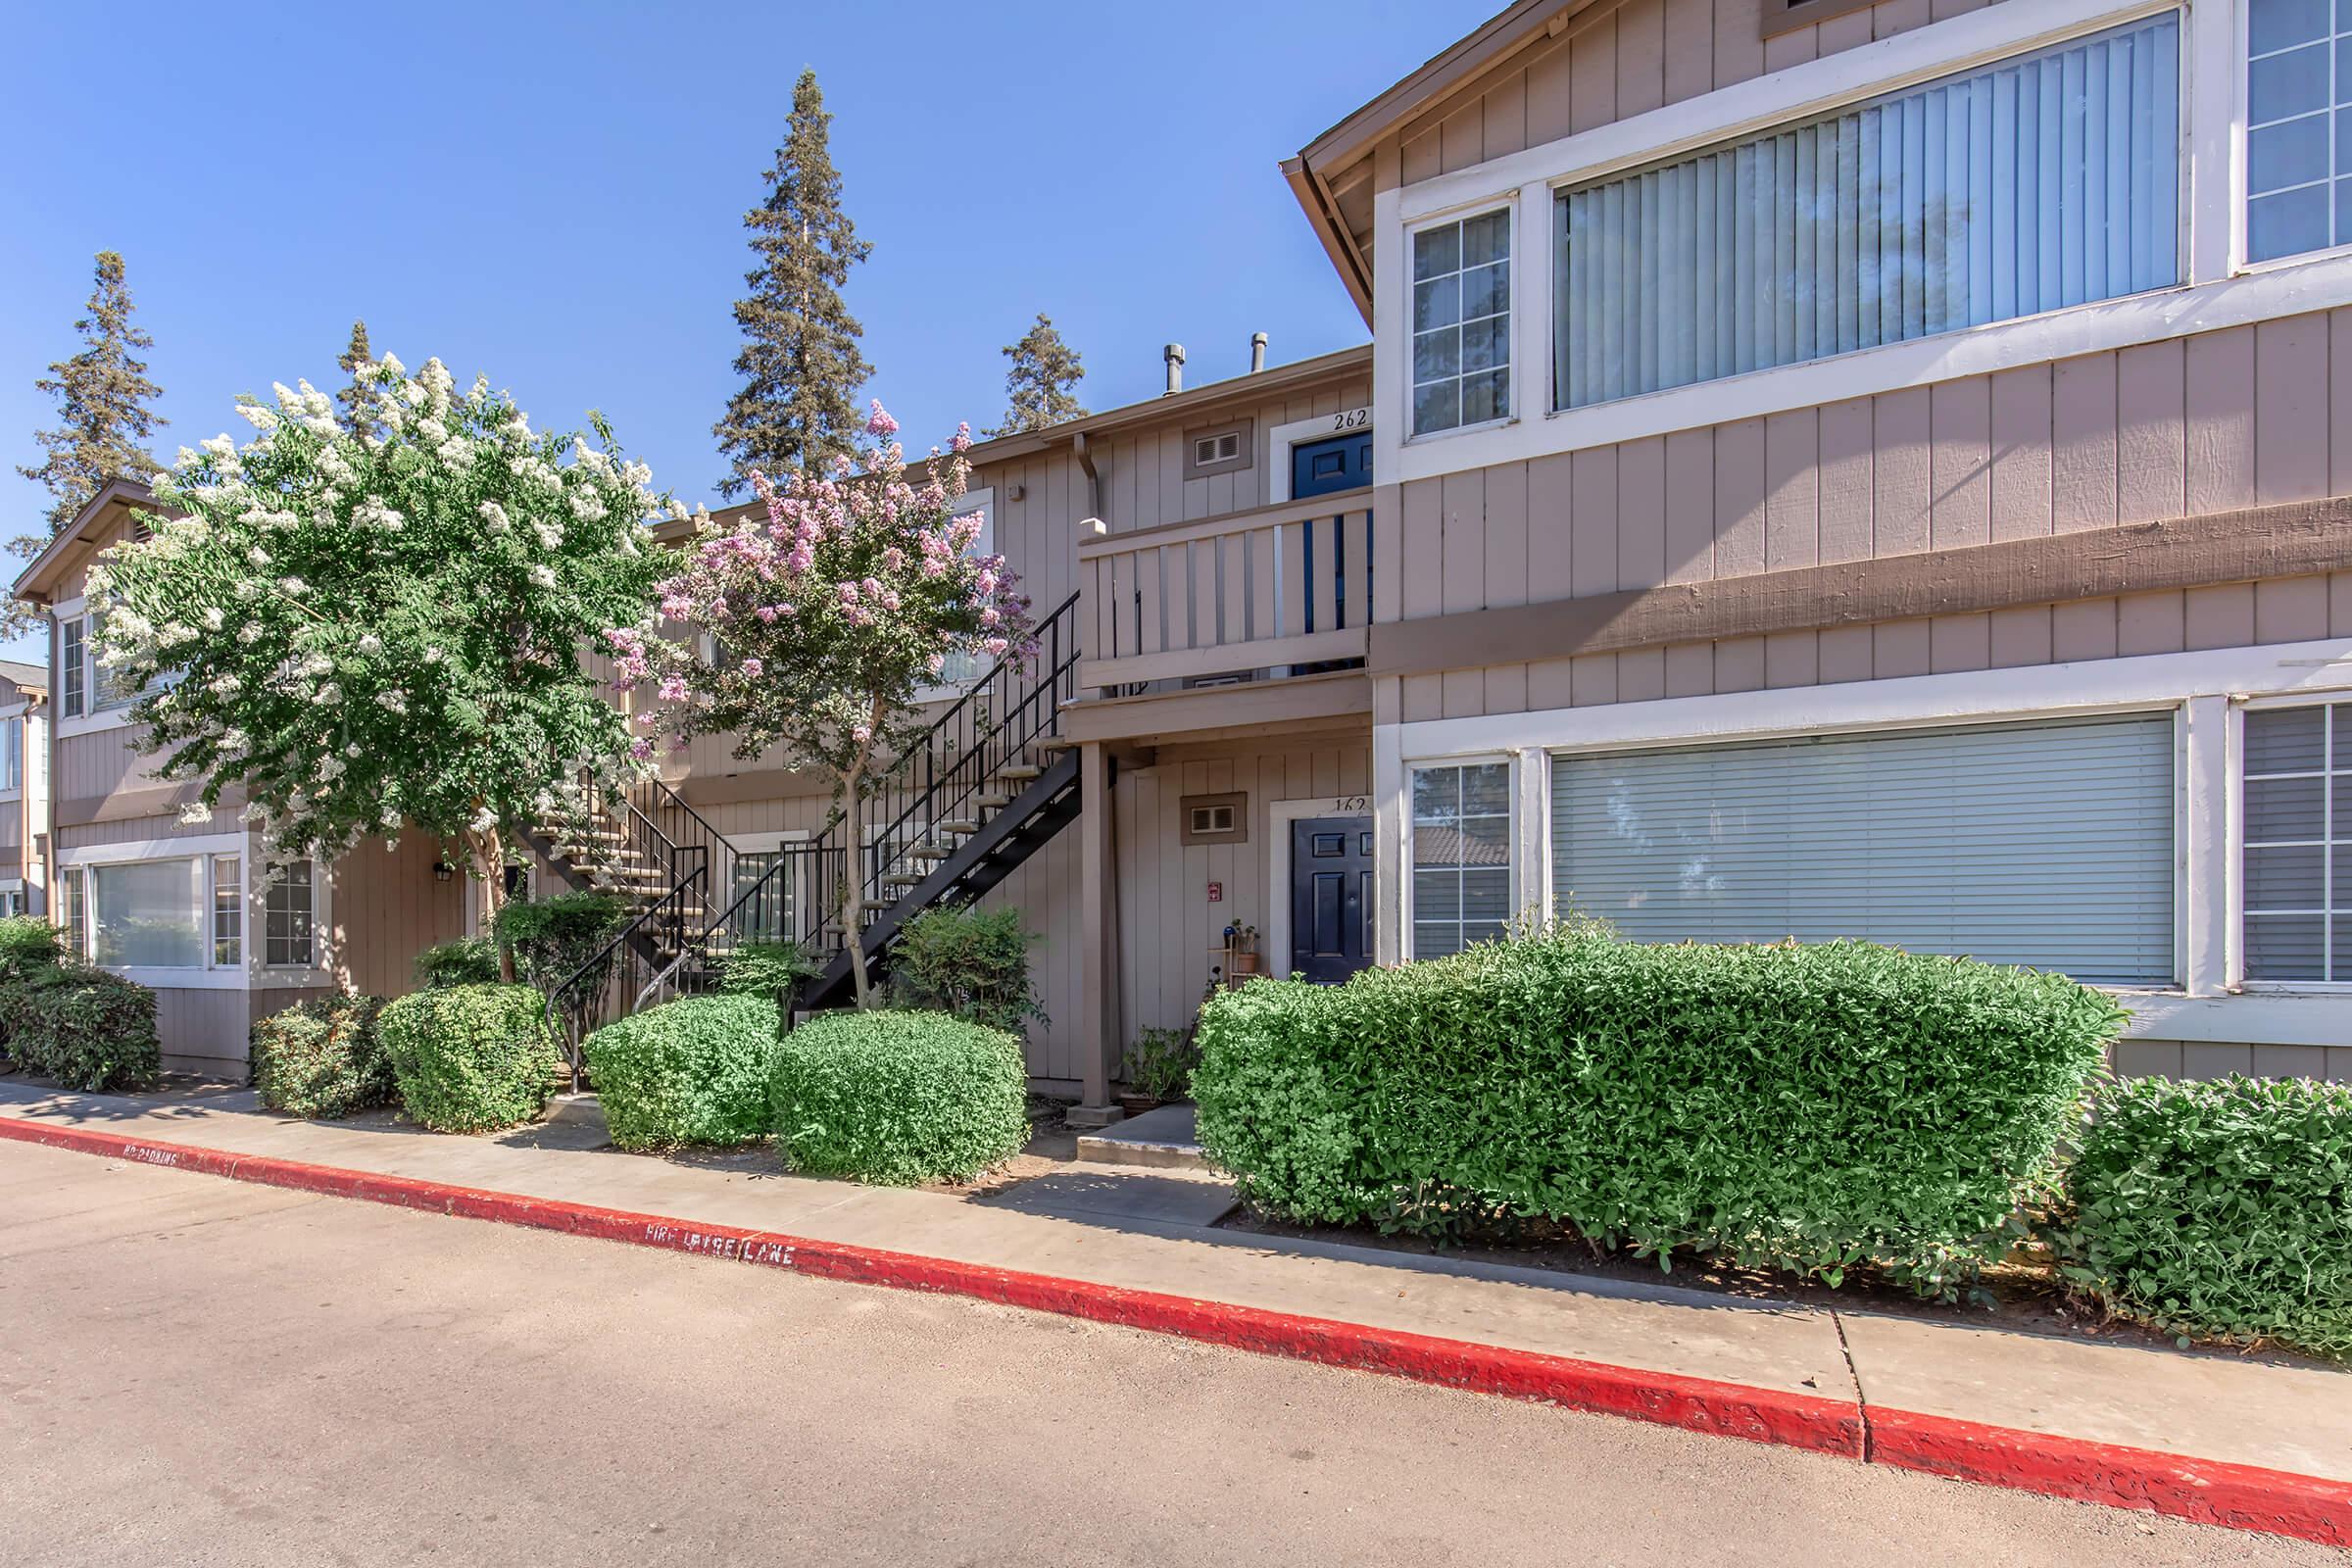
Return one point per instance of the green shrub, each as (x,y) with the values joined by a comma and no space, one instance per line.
(970,962)
(1809,1109)
(898,1097)
(691,1071)
(323,1058)
(765,968)
(84,1027)
(459,961)
(554,937)
(27,942)
(1159,1064)
(471,1058)
(2220,1211)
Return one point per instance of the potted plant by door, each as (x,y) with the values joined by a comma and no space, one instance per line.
(1159,1068)
(1241,950)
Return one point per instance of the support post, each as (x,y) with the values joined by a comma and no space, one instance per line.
(1098,961)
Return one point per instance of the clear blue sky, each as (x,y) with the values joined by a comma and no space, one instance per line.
(552,195)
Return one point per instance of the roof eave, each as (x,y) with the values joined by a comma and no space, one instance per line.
(32,582)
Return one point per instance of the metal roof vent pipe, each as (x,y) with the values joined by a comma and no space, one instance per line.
(1174,355)
(1257,352)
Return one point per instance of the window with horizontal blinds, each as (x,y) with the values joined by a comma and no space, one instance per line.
(2042,844)
(2046,180)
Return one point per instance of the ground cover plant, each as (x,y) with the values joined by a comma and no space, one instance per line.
(471,1058)
(898,1097)
(323,1058)
(2217,1210)
(691,1071)
(1812,1110)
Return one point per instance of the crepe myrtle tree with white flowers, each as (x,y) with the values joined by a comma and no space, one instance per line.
(825,612)
(366,629)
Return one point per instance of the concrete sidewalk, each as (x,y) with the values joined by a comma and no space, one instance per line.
(1904,1381)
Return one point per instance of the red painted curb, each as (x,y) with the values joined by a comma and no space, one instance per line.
(2209,1492)
(2240,1496)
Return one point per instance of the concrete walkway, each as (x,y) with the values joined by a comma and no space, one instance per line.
(2236,1410)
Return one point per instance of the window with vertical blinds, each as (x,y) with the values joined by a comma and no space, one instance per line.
(2042,844)
(2046,180)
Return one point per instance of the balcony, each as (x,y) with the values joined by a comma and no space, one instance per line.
(1199,624)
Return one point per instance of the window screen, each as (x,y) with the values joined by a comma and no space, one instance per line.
(1461,856)
(2298,843)
(2048,845)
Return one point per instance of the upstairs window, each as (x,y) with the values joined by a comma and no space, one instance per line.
(12,754)
(2048,180)
(72,662)
(2299,126)
(1462,322)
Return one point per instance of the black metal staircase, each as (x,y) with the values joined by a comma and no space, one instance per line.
(988,784)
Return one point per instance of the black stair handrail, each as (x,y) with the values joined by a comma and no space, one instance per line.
(812,860)
(634,948)
(983,743)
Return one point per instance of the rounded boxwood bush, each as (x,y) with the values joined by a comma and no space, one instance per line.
(323,1058)
(2219,1211)
(471,1058)
(1805,1108)
(898,1097)
(691,1071)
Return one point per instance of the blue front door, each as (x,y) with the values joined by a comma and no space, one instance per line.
(1336,462)
(1330,897)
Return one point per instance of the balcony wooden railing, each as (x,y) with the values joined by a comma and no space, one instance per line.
(1282,586)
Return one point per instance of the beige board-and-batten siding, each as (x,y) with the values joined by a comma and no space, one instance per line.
(2246,416)
(1613,60)
(386,907)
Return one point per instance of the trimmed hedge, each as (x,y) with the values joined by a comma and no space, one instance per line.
(28,942)
(459,961)
(323,1058)
(2218,1211)
(691,1071)
(471,1058)
(1809,1108)
(898,1097)
(85,1028)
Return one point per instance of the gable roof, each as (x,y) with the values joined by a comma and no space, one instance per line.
(78,537)
(26,677)
(1329,165)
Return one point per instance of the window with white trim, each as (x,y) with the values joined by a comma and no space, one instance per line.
(2297,865)
(11,754)
(2045,180)
(182,911)
(287,939)
(72,666)
(1462,322)
(1461,855)
(2299,126)
(228,912)
(2044,844)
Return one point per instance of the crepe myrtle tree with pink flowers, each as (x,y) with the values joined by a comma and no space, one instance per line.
(366,627)
(824,613)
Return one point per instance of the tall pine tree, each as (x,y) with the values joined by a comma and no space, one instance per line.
(103,422)
(355,359)
(800,364)
(1040,388)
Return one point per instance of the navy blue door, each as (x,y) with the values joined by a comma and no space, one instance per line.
(1330,897)
(1337,463)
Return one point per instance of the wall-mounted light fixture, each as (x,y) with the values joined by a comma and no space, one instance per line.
(443,870)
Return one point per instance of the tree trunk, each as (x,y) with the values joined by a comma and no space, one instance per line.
(852,883)
(490,865)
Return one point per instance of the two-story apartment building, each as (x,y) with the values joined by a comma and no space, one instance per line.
(1820,469)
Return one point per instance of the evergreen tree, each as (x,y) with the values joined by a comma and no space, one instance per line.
(1040,388)
(104,422)
(355,361)
(801,366)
